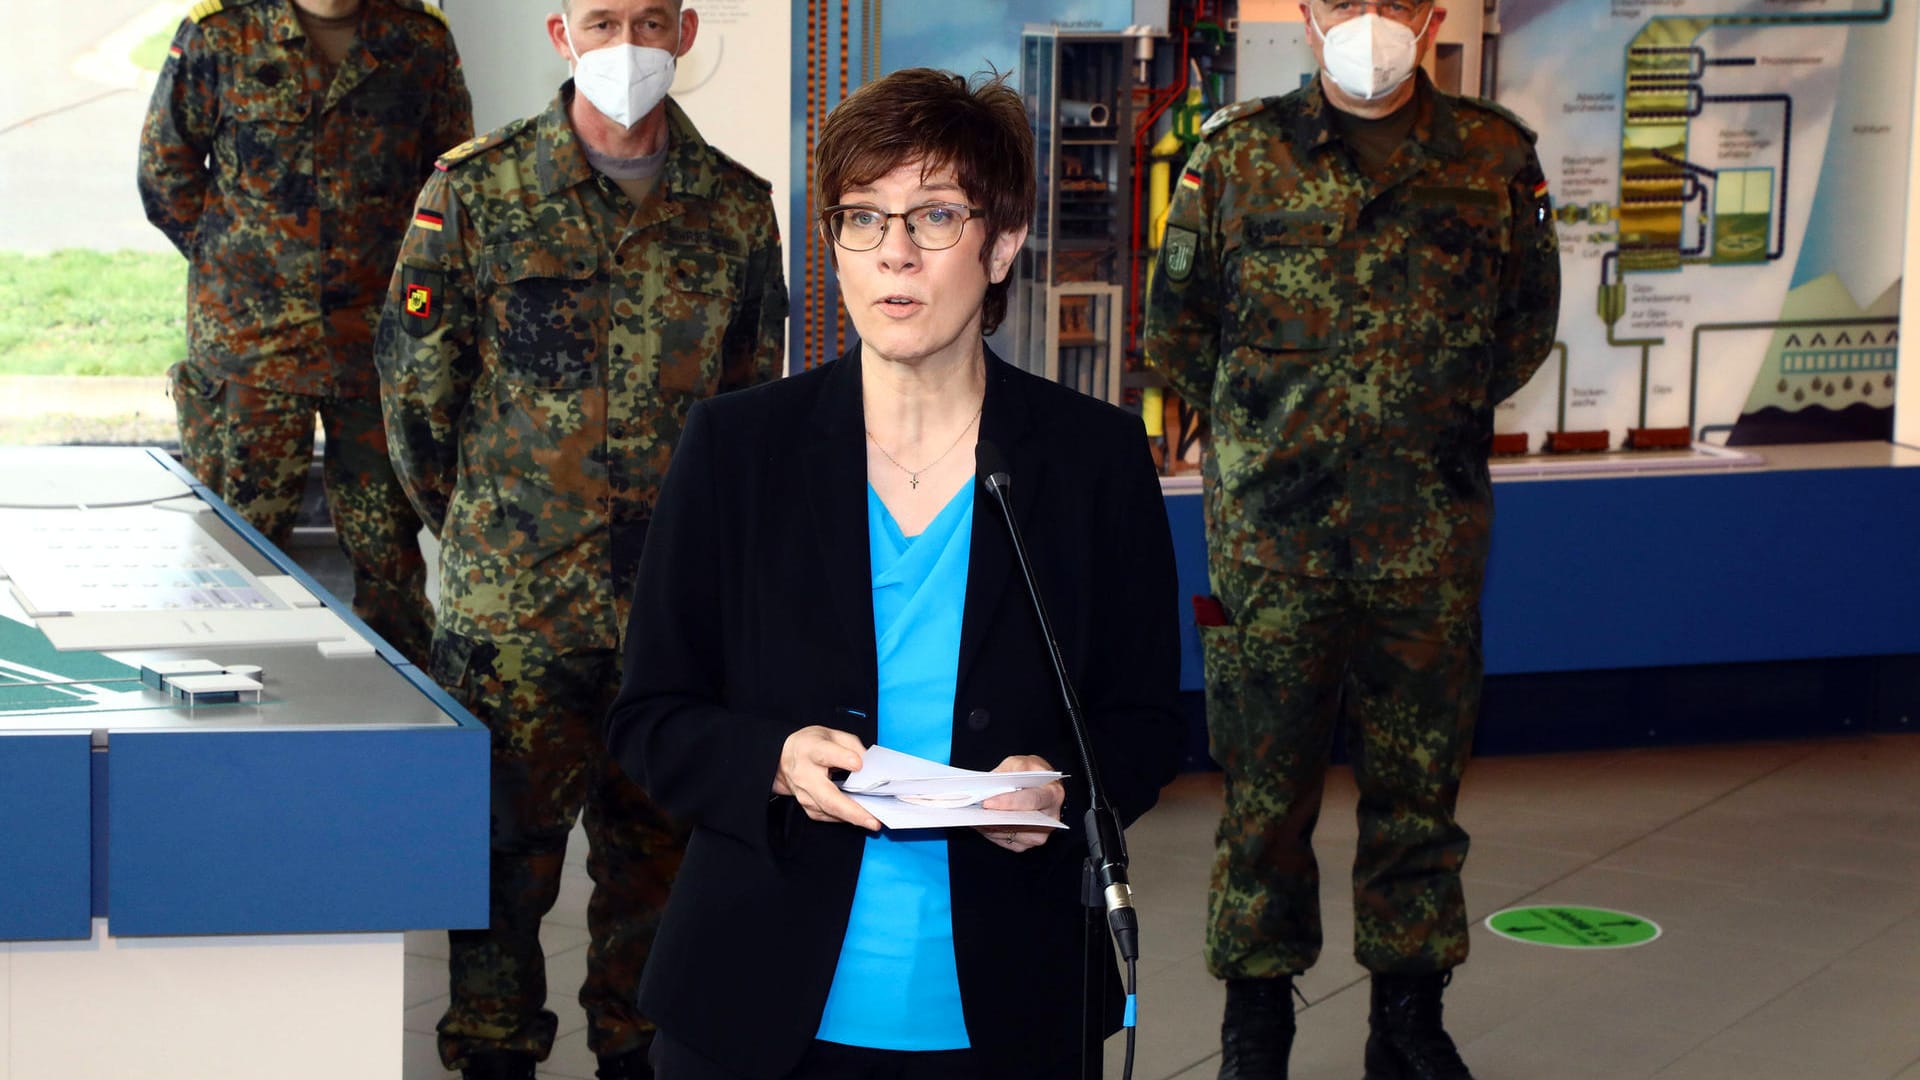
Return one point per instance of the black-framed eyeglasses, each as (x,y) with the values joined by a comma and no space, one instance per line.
(1404,12)
(931,226)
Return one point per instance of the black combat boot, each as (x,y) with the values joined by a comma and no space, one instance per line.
(1406,1041)
(1256,1036)
(632,1065)
(498,1065)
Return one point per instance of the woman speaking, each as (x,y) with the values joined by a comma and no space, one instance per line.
(820,577)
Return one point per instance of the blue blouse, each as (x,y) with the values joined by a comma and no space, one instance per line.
(896,986)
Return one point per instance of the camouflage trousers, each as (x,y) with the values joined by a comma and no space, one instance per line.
(550,765)
(252,448)
(1401,660)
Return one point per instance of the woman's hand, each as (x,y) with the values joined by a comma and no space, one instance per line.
(804,762)
(1046,800)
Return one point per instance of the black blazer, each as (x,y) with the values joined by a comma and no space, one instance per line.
(753,617)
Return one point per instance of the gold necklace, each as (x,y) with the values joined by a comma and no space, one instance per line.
(913,475)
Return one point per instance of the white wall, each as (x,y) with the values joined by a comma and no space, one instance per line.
(511,70)
(289,1006)
(735,84)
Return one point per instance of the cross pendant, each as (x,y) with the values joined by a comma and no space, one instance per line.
(913,481)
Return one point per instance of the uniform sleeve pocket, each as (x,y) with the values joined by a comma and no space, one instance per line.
(448,658)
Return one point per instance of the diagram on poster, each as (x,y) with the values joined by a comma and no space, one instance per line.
(1729,180)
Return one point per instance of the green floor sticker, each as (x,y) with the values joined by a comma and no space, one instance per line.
(1573,927)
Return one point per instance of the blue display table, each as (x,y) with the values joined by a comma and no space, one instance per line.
(1743,574)
(229,874)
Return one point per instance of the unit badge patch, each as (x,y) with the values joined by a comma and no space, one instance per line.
(421,300)
(1181,245)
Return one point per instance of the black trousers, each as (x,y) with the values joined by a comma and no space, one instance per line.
(825,1061)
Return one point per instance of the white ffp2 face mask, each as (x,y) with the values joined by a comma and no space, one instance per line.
(624,82)
(1369,57)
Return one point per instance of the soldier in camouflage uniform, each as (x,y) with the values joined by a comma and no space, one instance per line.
(284,145)
(1347,288)
(547,328)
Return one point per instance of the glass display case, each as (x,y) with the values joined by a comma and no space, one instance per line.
(1067,311)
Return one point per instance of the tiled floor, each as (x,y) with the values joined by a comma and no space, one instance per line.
(1786,878)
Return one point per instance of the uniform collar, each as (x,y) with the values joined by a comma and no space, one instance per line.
(562,163)
(285,24)
(386,36)
(1436,127)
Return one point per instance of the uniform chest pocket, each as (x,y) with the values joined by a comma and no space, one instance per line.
(547,313)
(390,163)
(263,155)
(1460,238)
(388,105)
(267,87)
(702,288)
(1287,281)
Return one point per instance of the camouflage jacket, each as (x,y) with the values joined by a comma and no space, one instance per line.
(1349,337)
(542,342)
(286,183)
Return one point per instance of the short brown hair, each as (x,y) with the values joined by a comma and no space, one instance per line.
(566,6)
(940,120)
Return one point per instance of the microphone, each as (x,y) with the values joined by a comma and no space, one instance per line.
(1106,844)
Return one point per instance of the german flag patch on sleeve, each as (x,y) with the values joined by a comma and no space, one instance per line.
(431,220)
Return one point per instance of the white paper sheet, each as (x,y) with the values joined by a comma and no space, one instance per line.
(890,772)
(102,632)
(908,792)
(895,814)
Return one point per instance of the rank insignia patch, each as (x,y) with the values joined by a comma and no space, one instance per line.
(465,150)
